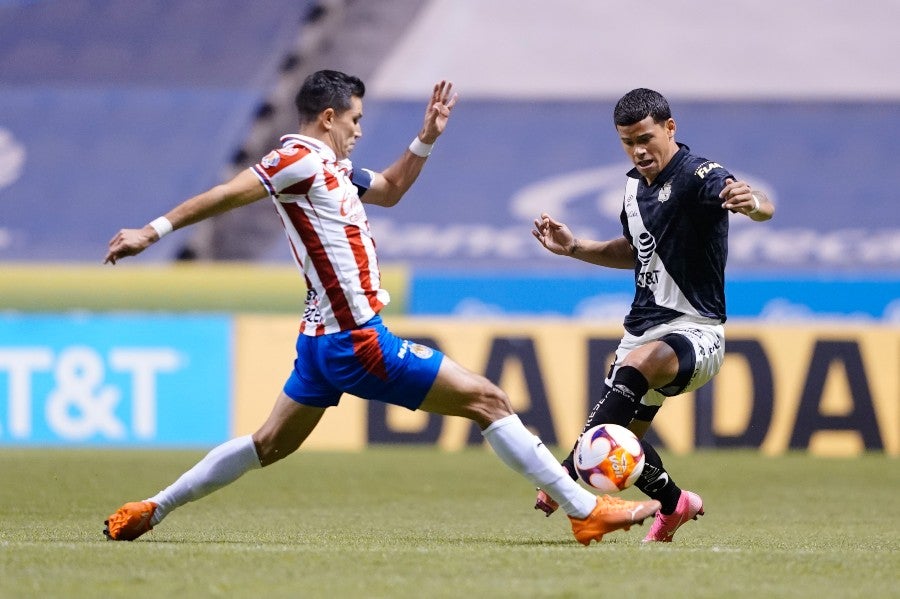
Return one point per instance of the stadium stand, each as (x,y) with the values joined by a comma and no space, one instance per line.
(374,27)
(111,111)
(140,104)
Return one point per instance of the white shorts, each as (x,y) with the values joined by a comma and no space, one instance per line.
(705,336)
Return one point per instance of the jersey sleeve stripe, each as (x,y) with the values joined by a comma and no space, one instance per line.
(264,179)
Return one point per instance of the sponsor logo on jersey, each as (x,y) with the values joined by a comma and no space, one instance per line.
(705,168)
(646,247)
(647,278)
(350,205)
(311,312)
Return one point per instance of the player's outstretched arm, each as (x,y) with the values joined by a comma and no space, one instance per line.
(389,186)
(739,197)
(243,189)
(557,238)
(554,235)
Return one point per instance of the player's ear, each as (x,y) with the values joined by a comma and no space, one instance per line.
(670,127)
(326,118)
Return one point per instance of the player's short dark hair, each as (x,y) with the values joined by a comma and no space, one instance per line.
(640,103)
(327,89)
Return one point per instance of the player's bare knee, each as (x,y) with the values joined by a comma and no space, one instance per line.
(643,363)
(271,447)
(656,361)
(489,403)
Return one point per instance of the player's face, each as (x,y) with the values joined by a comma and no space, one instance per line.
(650,145)
(345,129)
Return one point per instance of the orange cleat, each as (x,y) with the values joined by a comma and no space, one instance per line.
(690,507)
(611,514)
(130,521)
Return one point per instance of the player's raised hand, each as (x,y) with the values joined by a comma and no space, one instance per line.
(737,196)
(553,235)
(129,242)
(437,113)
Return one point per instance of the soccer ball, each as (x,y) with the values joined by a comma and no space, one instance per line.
(609,458)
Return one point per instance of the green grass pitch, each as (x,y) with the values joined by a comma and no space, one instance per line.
(416,522)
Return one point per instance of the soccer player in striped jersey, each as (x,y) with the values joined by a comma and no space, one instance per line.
(675,239)
(343,346)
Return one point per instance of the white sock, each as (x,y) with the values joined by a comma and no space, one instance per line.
(527,455)
(221,466)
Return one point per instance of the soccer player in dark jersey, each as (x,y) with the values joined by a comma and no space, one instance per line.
(675,238)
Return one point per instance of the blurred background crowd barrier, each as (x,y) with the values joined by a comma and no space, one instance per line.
(112,111)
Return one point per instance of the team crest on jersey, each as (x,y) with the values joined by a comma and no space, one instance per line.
(665,192)
(271,159)
(421,351)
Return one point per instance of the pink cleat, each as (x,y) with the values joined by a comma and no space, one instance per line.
(545,503)
(690,507)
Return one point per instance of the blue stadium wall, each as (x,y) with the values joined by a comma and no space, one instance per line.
(833,249)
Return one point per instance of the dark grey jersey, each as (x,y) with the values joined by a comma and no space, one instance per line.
(679,232)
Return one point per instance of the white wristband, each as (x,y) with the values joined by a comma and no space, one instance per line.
(162,226)
(755,205)
(420,148)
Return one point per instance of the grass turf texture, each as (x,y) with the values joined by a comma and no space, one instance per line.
(416,522)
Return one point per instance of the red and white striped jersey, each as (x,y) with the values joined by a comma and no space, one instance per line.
(328,231)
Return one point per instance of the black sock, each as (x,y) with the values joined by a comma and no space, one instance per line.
(621,399)
(617,405)
(655,481)
(569,463)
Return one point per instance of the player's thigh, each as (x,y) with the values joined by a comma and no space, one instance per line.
(639,427)
(656,360)
(700,351)
(457,391)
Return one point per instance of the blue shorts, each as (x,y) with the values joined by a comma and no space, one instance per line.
(369,362)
